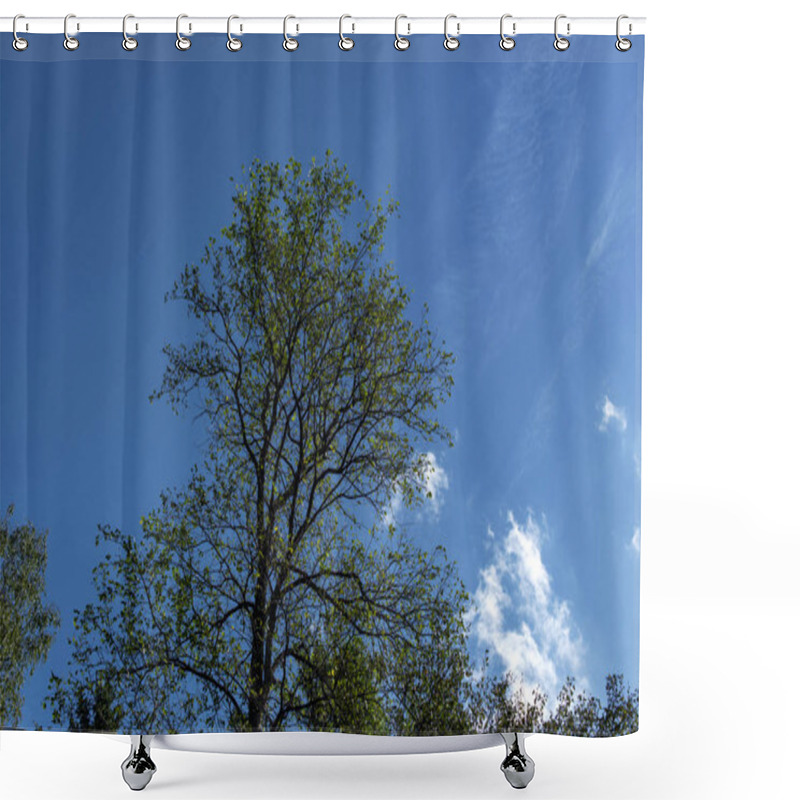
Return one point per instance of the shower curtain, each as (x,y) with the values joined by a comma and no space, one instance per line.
(320,382)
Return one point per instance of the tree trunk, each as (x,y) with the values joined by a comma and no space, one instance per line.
(256,699)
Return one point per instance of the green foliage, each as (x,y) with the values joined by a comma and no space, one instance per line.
(27,623)
(498,704)
(428,682)
(339,682)
(94,707)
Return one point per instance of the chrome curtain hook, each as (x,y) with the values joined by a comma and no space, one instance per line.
(128,42)
(560,44)
(19,44)
(233,44)
(70,42)
(401,42)
(181,41)
(622,44)
(345,42)
(289,43)
(507,42)
(451,42)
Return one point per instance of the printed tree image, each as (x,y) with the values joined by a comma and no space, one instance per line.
(28,623)
(270,592)
(318,395)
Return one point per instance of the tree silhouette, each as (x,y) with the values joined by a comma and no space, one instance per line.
(27,622)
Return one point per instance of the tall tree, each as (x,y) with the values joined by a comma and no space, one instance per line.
(28,623)
(319,396)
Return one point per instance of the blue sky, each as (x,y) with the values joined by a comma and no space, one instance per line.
(518,181)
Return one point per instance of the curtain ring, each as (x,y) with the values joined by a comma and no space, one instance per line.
(128,42)
(70,42)
(401,42)
(507,42)
(560,44)
(345,42)
(181,42)
(622,44)
(233,44)
(19,44)
(451,42)
(289,43)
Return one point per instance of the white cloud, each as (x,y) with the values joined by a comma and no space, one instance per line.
(516,614)
(636,539)
(392,512)
(433,484)
(612,415)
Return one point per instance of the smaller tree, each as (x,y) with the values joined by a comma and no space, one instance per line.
(429,681)
(27,623)
(620,714)
(575,714)
(340,680)
(91,707)
(497,705)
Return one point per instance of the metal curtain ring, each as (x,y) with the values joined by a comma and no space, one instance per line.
(128,42)
(289,44)
(451,42)
(233,44)
(181,41)
(560,44)
(19,44)
(622,44)
(70,42)
(401,42)
(345,42)
(507,42)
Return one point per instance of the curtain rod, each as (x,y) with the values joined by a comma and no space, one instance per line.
(351,24)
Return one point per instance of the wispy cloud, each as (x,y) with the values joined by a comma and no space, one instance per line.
(612,415)
(517,615)
(436,483)
(432,485)
(636,540)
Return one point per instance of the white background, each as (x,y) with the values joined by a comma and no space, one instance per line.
(720,604)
